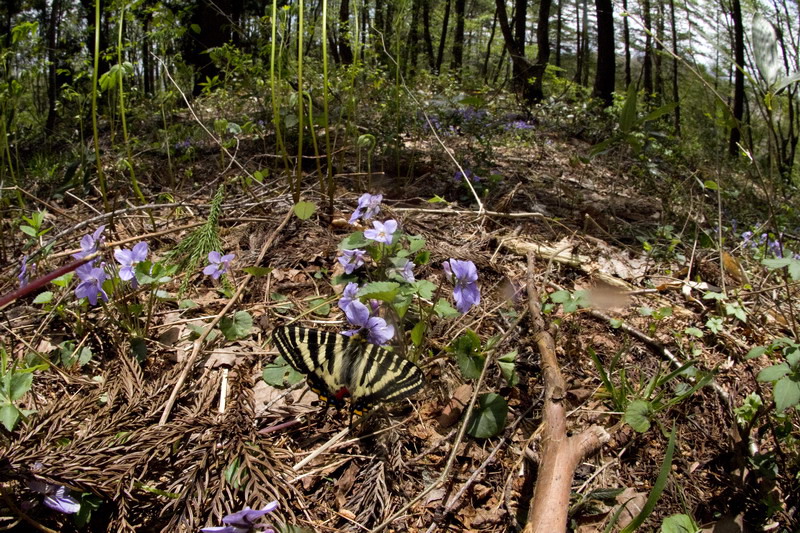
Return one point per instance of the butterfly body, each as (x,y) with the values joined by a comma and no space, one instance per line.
(338,367)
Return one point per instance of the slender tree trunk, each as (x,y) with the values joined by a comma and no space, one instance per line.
(738,84)
(458,38)
(585,43)
(626,37)
(413,39)
(426,33)
(648,50)
(543,49)
(578,44)
(485,69)
(559,22)
(676,97)
(345,50)
(521,66)
(659,55)
(147,61)
(606,58)
(443,38)
(52,60)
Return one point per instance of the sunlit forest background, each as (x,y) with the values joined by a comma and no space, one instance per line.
(622,174)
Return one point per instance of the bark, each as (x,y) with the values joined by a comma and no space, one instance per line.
(215,20)
(522,67)
(426,33)
(606,58)
(676,97)
(52,48)
(345,51)
(458,38)
(485,69)
(559,22)
(413,39)
(443,38)
(561,454)
(543,53)
(738,84)
(626,37)
(585,44)
(659,54)
(578,43)
(648,50)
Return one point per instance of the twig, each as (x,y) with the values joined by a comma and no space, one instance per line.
(459,437)
(198,344)
(316,453)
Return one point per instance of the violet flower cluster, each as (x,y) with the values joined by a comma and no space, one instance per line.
(369,325)
(244,521)
(464,275)
(56,497)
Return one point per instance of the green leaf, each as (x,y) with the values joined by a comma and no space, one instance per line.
(711,185)
(443,309)
(139,349)
(773,373)
(489,418)
(187,304)
(787,393)
(9,414)
(257,272)
(417,333)
(27,230)
(415,243)
(637,415)
(195,28)
(472,101)
(63,281)
(560,297)
(320,306)
(660,112)
(43,298)
(467,349)
(627,117)
(507,364)
(353,241)
(237,327)
(198,330)
(679,523)
(788,80)
(694,332)
(20,384)
(436,199)
(658,487)
(277,373)
(714,324)
(424,288)
(304,210)
(385,291)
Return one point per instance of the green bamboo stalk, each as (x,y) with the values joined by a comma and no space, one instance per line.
(300,113)
(100,176)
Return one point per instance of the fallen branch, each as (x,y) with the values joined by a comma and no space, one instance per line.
(561,455)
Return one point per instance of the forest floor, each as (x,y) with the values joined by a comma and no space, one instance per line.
(638,307)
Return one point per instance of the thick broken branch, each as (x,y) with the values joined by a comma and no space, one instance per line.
(561,455)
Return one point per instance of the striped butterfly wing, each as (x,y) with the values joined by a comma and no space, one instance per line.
(338,366)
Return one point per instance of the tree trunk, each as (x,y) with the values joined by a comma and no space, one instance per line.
(626,37)
(585,44)
(443,38)
(52,63)
(659,55)
(648,50)
(345,51)
(215,31)
(485,69)
(676,97)
(606,58)
(413,39)
(738,84)
(426,33)
(521,66)
(578,45)
(543,53)
(458,38)
(558,34)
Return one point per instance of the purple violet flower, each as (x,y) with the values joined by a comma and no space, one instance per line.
(374,328)
(351,260)
(369,205)
(220,264)
(24,275)
(56,497)
(404,268)
(382,232)
(348,296)
(91,285)
(474,178)
(464,276)
(91,243)
(128,259)
(244,521)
